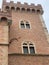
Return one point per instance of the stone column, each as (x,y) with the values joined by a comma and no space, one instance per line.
(4,45)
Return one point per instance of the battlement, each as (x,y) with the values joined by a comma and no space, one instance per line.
(8,6)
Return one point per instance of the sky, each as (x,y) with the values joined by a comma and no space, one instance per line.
(45,6)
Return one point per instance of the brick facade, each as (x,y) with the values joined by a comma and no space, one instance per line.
(14,36)
(28,59)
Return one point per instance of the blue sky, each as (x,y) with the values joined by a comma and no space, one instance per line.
(45,5)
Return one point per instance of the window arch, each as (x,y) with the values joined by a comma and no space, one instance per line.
(3,19)
(38,11)
(12,8)
(31,48)
(30,44)
(23,9)
(28,48)
(7,7)
(25,48)
(33,10)
(18,9)
(27,25)
(28,9)
(25,43)
(22,24)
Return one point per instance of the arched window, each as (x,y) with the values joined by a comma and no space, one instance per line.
(28,9)
(7,7)
(28,48)
(18,9)
(32,50)
(25,48)
(38,11)
(22,24)
(31,44)
(23,9)
(33,10)
(12,8)
(3,19)
(27,25)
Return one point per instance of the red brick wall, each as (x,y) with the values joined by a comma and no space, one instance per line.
(36,34)
(28,59)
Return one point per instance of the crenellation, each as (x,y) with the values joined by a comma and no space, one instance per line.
(32,4)
(11,1)
(25,3)
(13,6)
(19,3)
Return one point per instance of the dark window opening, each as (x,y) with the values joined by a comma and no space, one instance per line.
(28,25)
(22,24)
(38,11)
(25,49)
(17,8)
(12,8)
(23,9)
(7,7)
(28,10)
(32,51)
(33,10)
(3,19)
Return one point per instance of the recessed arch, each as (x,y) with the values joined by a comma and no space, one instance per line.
(7,7)
(23,9)
(18,8)
(33,10)
(12,8)
(13,39)
(38,11)
(3,19)
(28,9)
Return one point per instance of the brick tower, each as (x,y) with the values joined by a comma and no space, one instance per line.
(23,35)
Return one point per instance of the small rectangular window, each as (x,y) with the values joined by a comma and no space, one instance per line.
(25,49)
(32,51)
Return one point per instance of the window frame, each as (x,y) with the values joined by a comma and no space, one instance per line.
(29,48)
(24,21)
(24,50)
(27,25)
